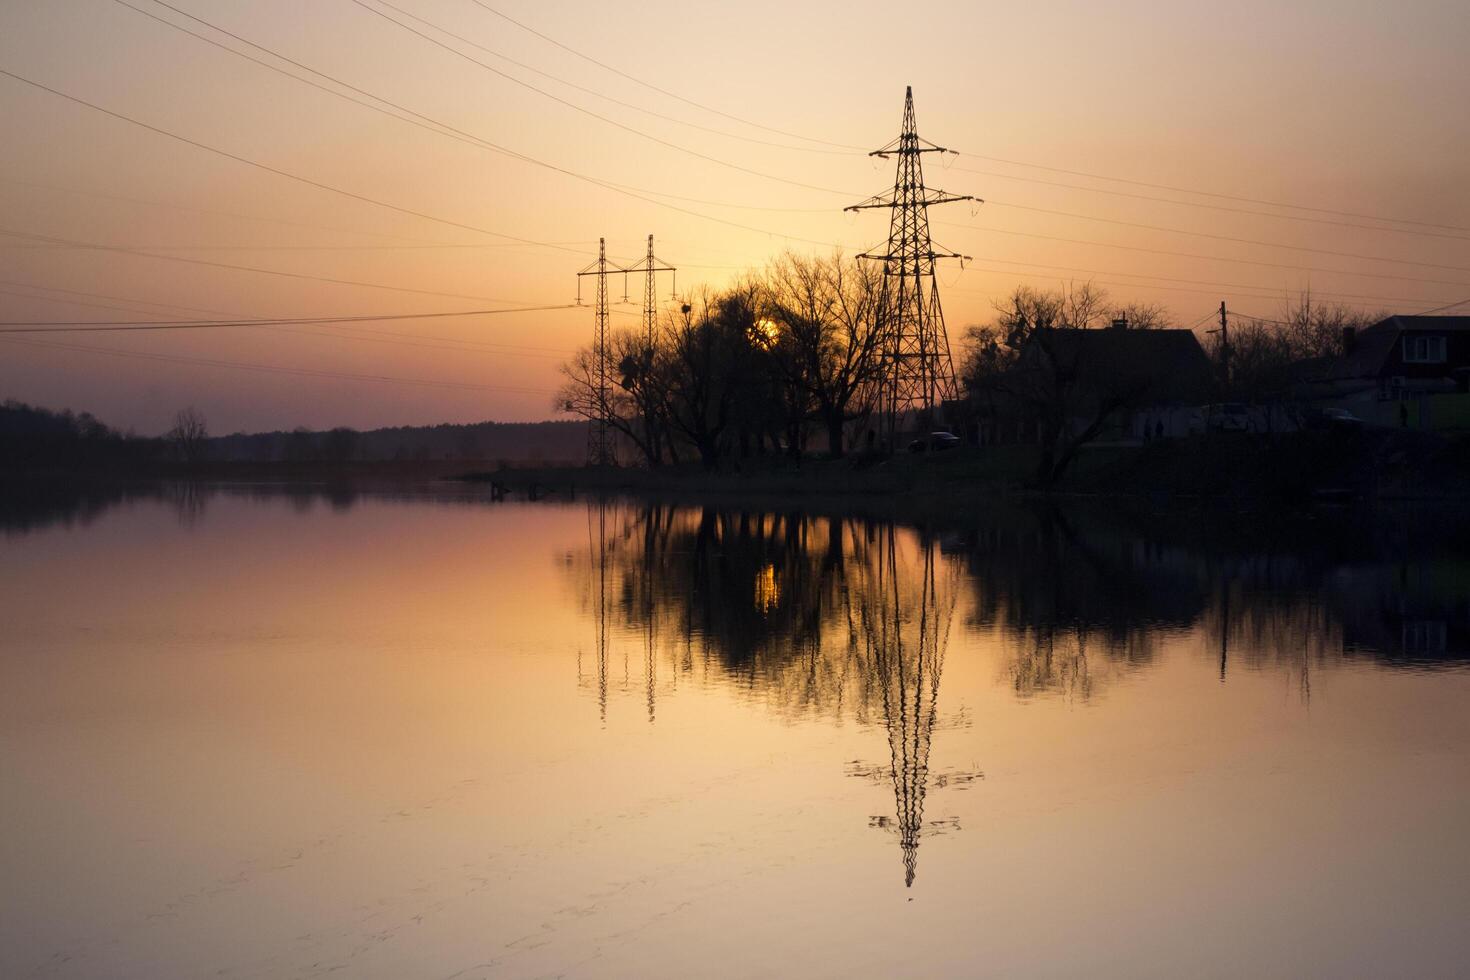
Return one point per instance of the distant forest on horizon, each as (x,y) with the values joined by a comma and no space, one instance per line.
(29,432)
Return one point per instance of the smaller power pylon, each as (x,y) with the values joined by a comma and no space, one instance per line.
(651,265)
(600,450)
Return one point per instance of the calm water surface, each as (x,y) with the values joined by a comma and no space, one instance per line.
(248,734)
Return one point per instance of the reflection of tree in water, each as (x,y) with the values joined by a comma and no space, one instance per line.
(807,615)
(763,602)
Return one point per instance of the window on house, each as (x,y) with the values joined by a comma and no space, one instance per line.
(1424,350)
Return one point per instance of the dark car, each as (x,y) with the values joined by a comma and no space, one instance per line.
(1334,419)
(1229,417)
(935,442)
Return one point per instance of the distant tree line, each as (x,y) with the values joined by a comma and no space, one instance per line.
(31,436)
(547,442)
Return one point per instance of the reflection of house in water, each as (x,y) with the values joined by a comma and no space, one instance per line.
(1408,613)
(1084,594)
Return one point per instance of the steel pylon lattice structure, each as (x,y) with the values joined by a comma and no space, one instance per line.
(917,372)
(651,265)
(600,450)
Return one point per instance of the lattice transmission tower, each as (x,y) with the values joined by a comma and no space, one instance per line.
(917,374)
(600,451)
(650,265)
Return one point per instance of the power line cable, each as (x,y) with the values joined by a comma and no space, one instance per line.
(276,170)
(54,326)
(1448,306)
(1223,197)
(429,123)
(588,112)
(124,250)
(196,210)
(1260,287)
(655,88)
(1228,238)
(1209,258)
(272,368)
(1015,163)
(602,95)
(1213,207)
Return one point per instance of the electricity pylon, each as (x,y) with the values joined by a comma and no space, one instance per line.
(652,265)
(917,374)
(600,450)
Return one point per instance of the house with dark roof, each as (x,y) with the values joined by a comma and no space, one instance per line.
(1405,370)
(1127,385)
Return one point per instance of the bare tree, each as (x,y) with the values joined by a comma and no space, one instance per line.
(582,393)
(707,354)
(190,435)
(1036,357)
(825,310)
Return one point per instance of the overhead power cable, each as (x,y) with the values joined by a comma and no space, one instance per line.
(1212,207)
(1217,196)
(588,112)
(273,368)
(648,85)
(222,214)
(419,120)
(601,95)
(1209,258)
(123,250)
(978,156)
(1448,306)
(63,301)
(1228,238)
(1215,283)
(54,326)
(276,170)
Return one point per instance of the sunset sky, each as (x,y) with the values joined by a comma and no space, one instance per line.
(731,133)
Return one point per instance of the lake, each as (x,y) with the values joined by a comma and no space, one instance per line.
(272,732)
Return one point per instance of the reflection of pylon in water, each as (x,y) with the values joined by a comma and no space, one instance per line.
(606,555)
(907,635)
(597,551)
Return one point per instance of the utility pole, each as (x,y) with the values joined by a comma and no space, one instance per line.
(1224,343)
(917,373)
(600,450)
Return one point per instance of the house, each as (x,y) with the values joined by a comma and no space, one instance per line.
(1403,371)
(1134,385)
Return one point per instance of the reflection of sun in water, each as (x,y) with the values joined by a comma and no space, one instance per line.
(766,332)
(767,589)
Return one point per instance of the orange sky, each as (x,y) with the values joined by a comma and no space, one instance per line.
(1349,106)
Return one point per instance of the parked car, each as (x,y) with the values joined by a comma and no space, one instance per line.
(1229,417)
(935,442)
(1335,419)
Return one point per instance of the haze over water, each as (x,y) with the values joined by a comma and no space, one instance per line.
(257,734)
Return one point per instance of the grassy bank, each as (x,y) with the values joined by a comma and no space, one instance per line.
(1288,468)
